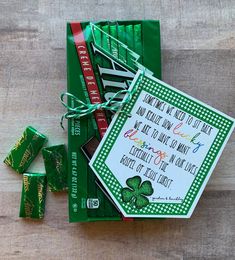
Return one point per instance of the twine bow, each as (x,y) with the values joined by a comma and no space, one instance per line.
(83,109)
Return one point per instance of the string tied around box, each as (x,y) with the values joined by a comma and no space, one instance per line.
(83,109)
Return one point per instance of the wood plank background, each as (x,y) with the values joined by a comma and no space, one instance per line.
(198,48)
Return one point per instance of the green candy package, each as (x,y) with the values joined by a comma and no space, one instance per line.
(25,150)
(33,195)
(56,166)
(102,58)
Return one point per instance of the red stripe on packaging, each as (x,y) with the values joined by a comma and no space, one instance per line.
(89,76)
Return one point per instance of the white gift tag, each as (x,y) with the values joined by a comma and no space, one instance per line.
(157,162)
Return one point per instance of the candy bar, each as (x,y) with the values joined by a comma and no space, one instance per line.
(89,147)
(25,150)
(33,195)
(55,161)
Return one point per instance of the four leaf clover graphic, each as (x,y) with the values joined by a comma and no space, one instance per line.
(136,192)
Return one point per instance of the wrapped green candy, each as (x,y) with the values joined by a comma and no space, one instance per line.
(56,165)
(25,150)
(33,195)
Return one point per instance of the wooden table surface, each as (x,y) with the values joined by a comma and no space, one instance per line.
(198,57)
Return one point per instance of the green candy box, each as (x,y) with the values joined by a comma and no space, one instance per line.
(102,58)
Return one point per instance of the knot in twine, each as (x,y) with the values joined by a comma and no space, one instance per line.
(84,109)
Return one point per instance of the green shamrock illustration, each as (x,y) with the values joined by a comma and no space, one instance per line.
(136,192)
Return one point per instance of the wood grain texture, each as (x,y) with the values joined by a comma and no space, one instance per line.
(198,42)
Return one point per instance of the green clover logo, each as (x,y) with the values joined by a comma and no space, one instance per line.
(136,192)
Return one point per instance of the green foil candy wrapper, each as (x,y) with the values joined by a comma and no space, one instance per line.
(25,150)
(33,195)
(56,165)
